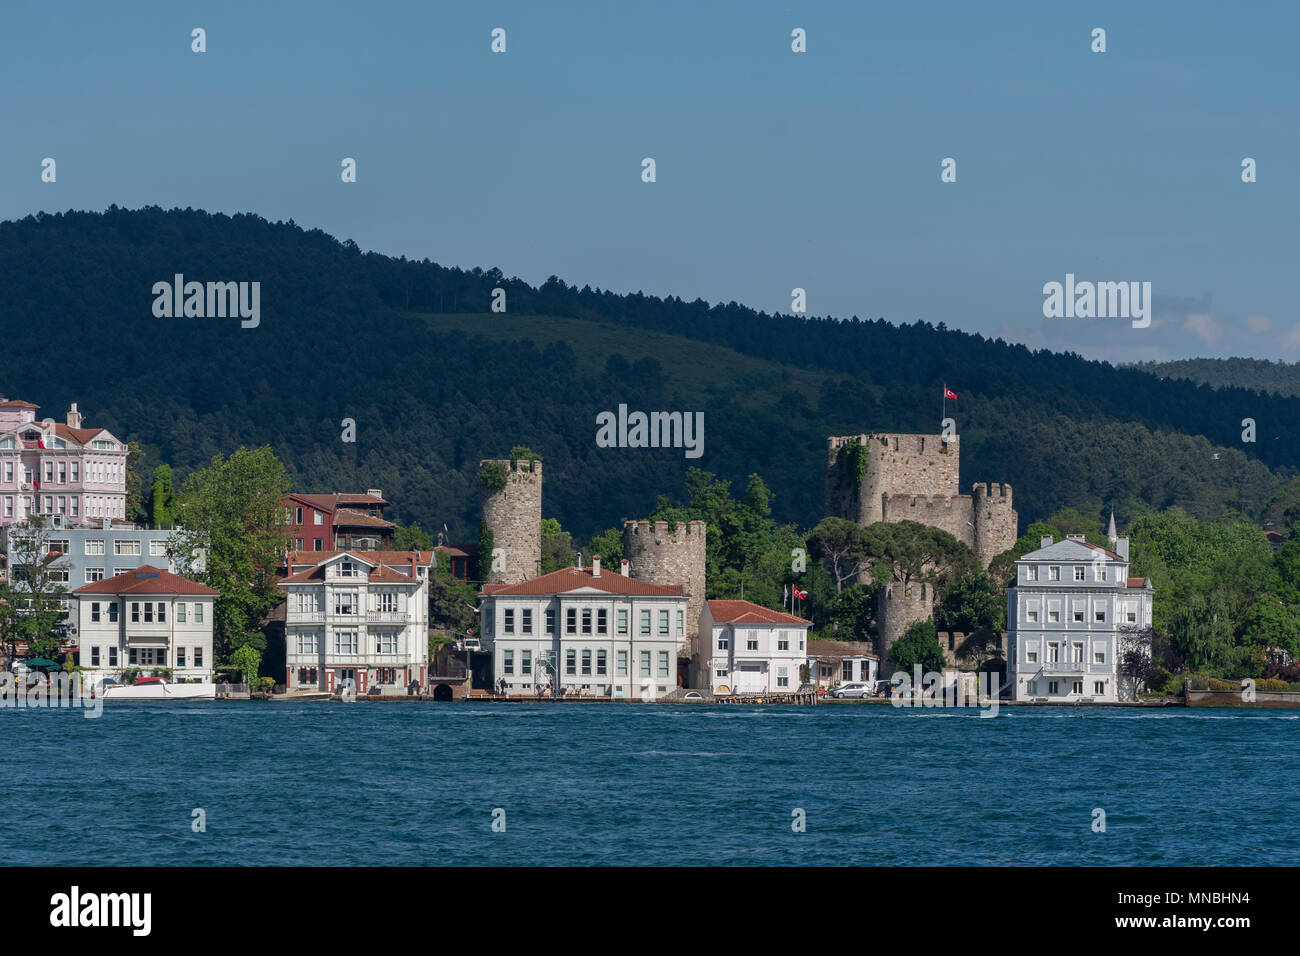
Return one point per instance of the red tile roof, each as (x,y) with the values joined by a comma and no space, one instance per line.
(1097,547)
(747,612)
(572,579)
(146,579)
(309,566)
(1136,582)
(17,403)
(349,518)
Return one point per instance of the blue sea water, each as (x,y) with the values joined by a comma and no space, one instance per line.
(410,784)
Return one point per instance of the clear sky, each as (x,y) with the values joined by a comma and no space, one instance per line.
(774,169)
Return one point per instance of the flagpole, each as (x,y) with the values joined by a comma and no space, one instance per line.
(944,413)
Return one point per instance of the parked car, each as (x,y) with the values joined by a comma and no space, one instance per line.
(854,690)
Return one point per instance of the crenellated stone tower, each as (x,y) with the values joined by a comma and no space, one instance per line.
(897,608)
(880,477)
(514,516)
(677,557)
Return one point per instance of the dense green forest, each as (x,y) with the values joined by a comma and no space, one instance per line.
(435,381)
(1261,375)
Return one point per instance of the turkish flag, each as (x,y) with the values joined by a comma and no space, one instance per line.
(948,393)
(801,595)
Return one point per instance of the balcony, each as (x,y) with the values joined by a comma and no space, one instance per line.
(1065,667)
(385,617)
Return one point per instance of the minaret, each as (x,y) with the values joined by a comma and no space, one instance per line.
(1111,534)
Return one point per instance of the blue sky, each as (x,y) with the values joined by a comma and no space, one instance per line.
(775,170)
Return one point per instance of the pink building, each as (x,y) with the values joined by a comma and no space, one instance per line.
(47,468)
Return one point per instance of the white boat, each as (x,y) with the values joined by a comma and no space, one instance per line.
(157,688)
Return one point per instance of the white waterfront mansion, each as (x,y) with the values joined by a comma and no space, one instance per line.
(584,631)
(1067,611)
(745,648)
(359,616)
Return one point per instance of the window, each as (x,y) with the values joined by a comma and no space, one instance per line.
(550,620)
(317,518)
(1053,653)
(1130,614)
(601,669)
(1053,687)
(345,642)
(663,623)
(846,671)
(622,663)
(586,620)
(602,621)
(126,547)
(507,662)
(94,654)
(1099,572)
(622,621)
(94,611)
(723,643)
(783,640)
(148,612)
(586,662)
(1031,655)
(751,640)
(135,612)
(1053,612)
(1098,687)
(782,677)
(198,657)
(318,545)
(1076,652)
(162,612)
(571,661)
(645,662)
(345,602)
(571,621)
(76,507)
(76,472)
(509,620)
(1077,687)
(1099,615)
(681,623)
(112,613)
(1079,572)
(347,569)
(386,642)
(180,657)
(112,655)
(526,623)
(297,544)
(1078,614)
(1099,657)
(308,642)
(526,662)
(157,548)
(663,664)
(9,507)
(645,626)
(1031,612)
(1053,573)
(94,574)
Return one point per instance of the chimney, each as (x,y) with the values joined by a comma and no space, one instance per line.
(1121,548)
(624,568)
(372,492)
(1045,541)
(595,565)
(74,417)
(1076,537)
(415,557)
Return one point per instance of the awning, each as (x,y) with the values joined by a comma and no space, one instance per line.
(146,641)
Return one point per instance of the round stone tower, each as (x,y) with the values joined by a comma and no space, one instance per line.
(897,608)
(513,514)
(675,557)
(995,520)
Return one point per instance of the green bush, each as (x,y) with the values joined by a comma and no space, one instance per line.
(1217,684)
(493,476)
(1271,683)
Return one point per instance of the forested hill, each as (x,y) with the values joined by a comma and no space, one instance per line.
(1281,378)
(435,381)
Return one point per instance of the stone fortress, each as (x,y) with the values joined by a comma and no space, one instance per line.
(889,477)
(660,556)
(655,554)
(513,515)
